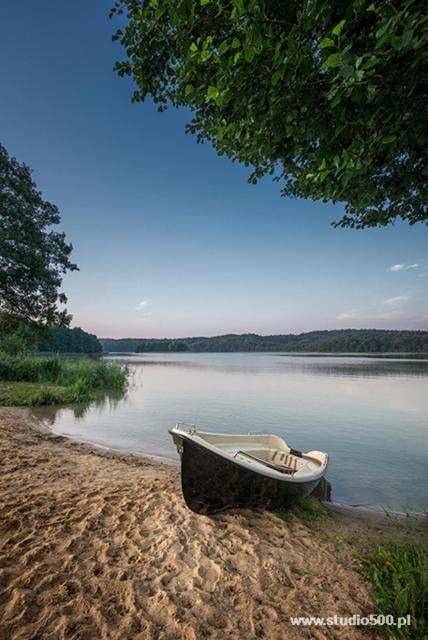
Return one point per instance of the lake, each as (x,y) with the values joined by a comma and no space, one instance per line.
(369,413)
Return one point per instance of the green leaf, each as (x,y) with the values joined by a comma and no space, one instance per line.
(212,93)
(189,89)
(276,77)
(389,139)
(193,47)
(338,28)
(371,7)
(249,54)
(383,29)
(235,43)
(326,42)
(333,60)
(406,38)
(223,48)
(205,2)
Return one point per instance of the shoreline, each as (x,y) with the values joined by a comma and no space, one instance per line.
(96,543)
(162,459)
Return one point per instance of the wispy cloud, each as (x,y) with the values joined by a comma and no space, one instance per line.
(392,302)
(142,305)
(402,267)
(345,316)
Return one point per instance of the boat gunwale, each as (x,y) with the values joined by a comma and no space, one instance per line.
(261,469)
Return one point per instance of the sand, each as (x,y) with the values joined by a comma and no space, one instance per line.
(96,544)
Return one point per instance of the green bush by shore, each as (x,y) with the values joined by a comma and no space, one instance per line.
(34,380)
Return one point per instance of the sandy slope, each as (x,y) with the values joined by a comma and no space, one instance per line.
(95,544)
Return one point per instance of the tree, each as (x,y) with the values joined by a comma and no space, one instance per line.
(18,335)
(33,257)
(329,97)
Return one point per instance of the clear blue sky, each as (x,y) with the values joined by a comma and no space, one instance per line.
(170,239)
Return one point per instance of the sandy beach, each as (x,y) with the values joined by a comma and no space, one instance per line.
(96,544)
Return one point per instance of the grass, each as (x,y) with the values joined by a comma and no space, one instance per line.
(309,509)
(15,394)
(33,380)
(399,573)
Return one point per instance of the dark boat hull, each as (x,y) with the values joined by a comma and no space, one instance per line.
(211,483)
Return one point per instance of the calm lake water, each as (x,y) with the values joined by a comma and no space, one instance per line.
(370,414)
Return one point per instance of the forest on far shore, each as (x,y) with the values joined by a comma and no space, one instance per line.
(340,340)
(64,340)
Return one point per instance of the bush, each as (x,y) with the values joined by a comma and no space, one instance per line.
(13,344)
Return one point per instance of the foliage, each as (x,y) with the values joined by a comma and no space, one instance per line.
(336,341)
(399,573)
(33,257)
(17,335)
(64,340)
(328,96)
(161,346)
(18,394)
(56,379)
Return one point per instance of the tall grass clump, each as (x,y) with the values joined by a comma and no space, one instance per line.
(61,371)
(79,377)
(399,573)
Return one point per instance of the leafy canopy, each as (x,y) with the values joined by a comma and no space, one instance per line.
(329,97)
(32,256)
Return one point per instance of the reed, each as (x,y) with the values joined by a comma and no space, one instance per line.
(31,380)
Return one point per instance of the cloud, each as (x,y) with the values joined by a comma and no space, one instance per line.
(345,316)
(391,302)
(142,305)
(402,267)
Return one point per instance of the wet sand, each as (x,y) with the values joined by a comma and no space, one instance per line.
(97,544)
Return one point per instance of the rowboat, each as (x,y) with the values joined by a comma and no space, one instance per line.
(221,471)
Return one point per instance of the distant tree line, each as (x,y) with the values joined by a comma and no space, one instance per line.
(63,340)
(162,346)
(342,340)
(19,335)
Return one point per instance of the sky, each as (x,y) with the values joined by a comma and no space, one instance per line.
(170,239)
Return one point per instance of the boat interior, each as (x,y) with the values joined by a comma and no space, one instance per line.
(266,449)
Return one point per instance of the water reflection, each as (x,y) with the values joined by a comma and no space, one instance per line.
(366,369)
(323,490)
(51,414)
(257,363)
